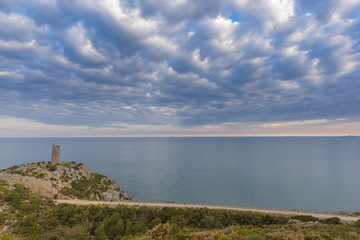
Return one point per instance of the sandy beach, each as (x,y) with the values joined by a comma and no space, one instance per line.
(320,215)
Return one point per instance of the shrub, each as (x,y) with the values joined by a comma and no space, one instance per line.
(159,231)
(245,232)
(100,234)
(87,188)
(40,175)
(3,192)
(155,221)
(174,229)
(333,220)
(114,226)
(305,218)
(9,236)
(16,196)
(52,168)
(140,228)
(128,227)
(313,237)
(29,225)
(2,219)
(357,224)
(79,231)
(221,237)
(3,183)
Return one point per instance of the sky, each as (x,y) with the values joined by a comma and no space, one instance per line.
(113,68)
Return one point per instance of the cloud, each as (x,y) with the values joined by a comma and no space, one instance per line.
(270,16)
(77,37)
(184,64)
(22,28)
(180,10)
(22,127)
(330,10)
(294,123)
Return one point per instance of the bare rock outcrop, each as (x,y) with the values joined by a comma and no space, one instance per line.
(67,180)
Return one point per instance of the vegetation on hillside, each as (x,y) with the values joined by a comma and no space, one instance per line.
(87,188)
(68,180)
(27,216)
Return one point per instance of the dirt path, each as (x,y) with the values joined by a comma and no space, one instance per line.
(153,204)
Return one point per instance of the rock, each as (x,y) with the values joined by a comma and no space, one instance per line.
(293,221)
(38,186)
(311,223)
(67,180)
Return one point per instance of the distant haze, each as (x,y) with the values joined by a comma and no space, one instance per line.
(179,68)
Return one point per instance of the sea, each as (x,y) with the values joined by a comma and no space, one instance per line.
(296,173)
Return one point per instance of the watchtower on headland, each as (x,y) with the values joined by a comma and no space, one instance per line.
(55,157)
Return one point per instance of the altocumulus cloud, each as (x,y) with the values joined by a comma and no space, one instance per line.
(219,67)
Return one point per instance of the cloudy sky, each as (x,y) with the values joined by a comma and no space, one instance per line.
(179,68)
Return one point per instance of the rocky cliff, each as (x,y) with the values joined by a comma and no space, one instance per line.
(65,180)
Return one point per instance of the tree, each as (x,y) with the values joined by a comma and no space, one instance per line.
(128,227)
(100,234)
(110,225)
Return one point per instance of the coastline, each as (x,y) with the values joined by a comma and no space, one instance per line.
(33,176)
(320,215)
(253,172)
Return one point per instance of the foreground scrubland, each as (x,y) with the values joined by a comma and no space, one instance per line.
(28,216)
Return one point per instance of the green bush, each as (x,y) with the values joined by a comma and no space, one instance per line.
(155,221)
(40,175)
(128,227)
(4,192)
(87,188)
(357,224)
(333,220)
(29,225)
(9,236)
(245,232)
(3,183)
(305,218)
(141,228)
(2,219)
(174,229)
(100,234)
(52,168)
(19,194)
(79,231)
(114,226)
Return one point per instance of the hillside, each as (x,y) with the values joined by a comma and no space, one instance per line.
(67,180)
(25,215)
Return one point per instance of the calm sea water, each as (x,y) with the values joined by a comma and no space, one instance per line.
(302,173)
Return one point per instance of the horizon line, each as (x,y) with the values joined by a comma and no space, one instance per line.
(186,136)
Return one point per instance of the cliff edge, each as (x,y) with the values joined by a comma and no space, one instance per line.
(66,180)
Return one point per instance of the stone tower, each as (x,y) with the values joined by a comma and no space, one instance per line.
(55,157)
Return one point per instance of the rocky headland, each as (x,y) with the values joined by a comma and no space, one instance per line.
(66,180)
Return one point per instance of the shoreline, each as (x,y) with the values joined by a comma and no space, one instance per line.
(320,215)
